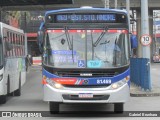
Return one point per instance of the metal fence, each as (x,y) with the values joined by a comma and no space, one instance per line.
(140,72)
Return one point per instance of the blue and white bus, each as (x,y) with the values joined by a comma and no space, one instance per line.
(12,61)
(85,57)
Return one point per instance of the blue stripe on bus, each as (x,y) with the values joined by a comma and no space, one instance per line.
(48,74)
(93,81)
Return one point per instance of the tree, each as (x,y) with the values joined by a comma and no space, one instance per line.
(15,18)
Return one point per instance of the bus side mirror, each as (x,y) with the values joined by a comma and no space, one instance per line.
(40,36)
(134,41)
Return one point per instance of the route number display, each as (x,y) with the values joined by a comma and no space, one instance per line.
(146,40)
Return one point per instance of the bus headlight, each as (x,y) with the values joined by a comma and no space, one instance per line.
(54,84)
(120,83)
(1,77)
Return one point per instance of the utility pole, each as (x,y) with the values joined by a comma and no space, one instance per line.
(25,19)
(1,14)
(145,27)
(115,4)
(155,38)
(128,11)
(145,38)
(106,3)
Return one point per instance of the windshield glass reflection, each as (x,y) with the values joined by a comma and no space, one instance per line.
(84,49)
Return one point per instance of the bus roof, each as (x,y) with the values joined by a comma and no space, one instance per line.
(78,9)
(11,27)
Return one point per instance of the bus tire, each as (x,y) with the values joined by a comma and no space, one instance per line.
(18,91)
(9,93)
(118,107)
(3,99)
(54,107)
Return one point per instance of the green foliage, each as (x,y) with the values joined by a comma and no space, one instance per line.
(18,15)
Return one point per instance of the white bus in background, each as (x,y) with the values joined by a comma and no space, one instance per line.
(12,61)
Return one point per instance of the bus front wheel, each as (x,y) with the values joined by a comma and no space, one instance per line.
(54,107)
(118,107)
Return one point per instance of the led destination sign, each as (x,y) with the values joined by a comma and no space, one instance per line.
(85,18)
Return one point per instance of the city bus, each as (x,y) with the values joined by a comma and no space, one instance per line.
(85,57)
(12,61)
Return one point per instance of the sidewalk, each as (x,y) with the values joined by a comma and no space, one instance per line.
(136,91)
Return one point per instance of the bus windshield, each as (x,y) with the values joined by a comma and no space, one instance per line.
(86,48)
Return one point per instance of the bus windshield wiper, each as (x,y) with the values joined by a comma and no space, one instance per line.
(100,37)
(70,43)
(72,49)
(92,46)
(68,38)
(115,51)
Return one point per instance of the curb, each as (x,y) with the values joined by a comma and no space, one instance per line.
(145,95)
(137,91)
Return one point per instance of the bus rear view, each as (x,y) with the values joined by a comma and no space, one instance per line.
(85,57)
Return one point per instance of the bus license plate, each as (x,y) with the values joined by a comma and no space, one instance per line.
(85,95)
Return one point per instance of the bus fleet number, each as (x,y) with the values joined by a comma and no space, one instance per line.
(103,81)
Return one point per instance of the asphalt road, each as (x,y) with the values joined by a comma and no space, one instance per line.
(32,100)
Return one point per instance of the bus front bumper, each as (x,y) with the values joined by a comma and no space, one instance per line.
(100,95)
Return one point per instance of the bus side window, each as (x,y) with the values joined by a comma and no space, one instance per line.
(7,44)
(12,43)
(20,44)
(16,45)
(23,45)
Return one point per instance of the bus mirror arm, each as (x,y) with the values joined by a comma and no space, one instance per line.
(41,47)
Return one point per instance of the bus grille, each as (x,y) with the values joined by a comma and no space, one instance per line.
(86,74)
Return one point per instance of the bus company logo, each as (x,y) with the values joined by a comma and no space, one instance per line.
(83,82)
(6,114)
